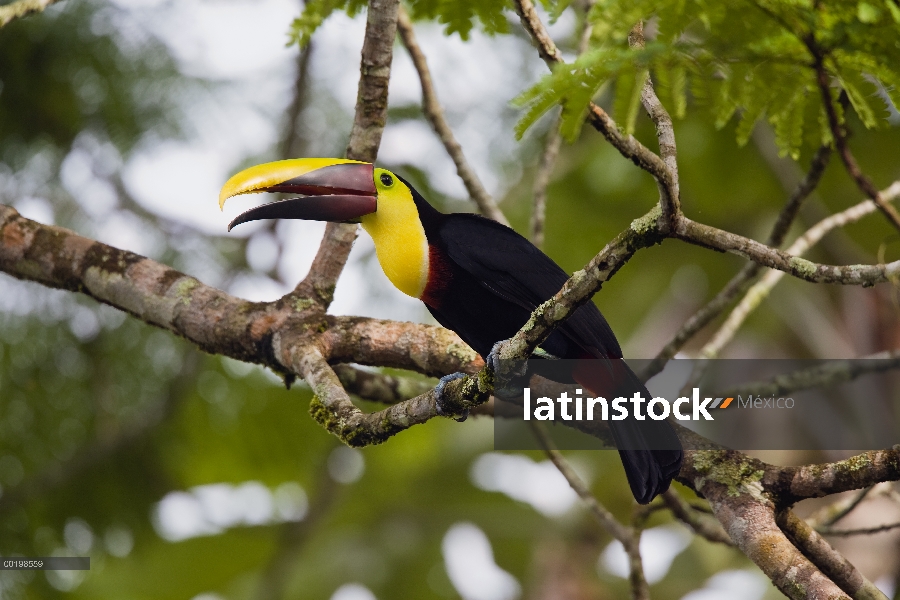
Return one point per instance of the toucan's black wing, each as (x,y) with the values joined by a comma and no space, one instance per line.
(514,269)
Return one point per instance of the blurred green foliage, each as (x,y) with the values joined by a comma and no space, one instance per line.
(752,60)
(102,417)
(458,16)
(76,69)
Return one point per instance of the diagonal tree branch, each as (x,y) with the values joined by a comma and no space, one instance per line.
(744,278)
(435,115)
(831,562)
(839,133)
(365,137)
(629,537)
(734,485)
(627,145)
(761,290)
(700,523)
(831,373)
(831,514)
(665,134)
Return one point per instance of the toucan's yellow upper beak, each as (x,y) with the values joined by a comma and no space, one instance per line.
(262,178)
(333,189)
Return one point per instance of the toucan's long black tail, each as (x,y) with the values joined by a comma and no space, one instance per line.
(651,452)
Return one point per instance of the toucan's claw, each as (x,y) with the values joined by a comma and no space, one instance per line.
(509,376)
(439,392)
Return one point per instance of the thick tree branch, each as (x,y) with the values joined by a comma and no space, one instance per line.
(831,562)
(435,115)
(210,318)
(22,8)
(734,485)
(815,481)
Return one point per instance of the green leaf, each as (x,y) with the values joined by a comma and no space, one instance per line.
(314,14)
(535,110)
(628,99)
(460,16)
(672,85)
(755,104)
(789,125)
(864,98)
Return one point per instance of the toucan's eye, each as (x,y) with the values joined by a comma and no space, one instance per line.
(387,180)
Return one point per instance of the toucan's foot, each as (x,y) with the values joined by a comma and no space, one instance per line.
(493,357)
(439,391)
(509,376)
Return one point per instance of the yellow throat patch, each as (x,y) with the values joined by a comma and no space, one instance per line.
(400,241)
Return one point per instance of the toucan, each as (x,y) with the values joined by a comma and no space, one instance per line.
(477,277)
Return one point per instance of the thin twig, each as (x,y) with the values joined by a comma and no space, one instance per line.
(629,537)
(861,531)
(831,514)
(665,134)
(435,115)
(763,288)
(627,145)
(541,179)
(839,133)
(291,138)
(701,523)
(830,374)
(552,144)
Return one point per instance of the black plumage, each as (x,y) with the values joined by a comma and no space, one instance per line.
(484,282)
